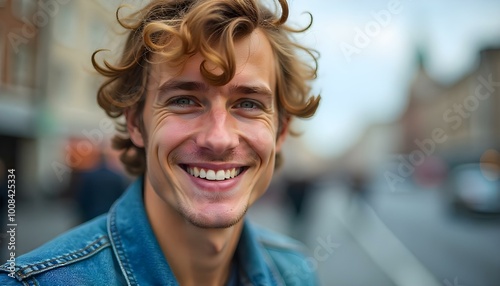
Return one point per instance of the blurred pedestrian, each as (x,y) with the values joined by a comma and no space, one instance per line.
(298,191)
(97,189)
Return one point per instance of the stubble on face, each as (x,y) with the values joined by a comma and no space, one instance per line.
(216,221)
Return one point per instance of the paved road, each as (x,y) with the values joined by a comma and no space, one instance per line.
(405,238)
(464,248)
(367,253)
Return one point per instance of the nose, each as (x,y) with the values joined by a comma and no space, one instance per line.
(218,133)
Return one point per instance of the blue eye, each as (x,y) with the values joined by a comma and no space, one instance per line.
(182,101)
(247,104)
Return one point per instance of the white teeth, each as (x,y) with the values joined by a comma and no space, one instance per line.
(210,175)
(220,175)
(213,175)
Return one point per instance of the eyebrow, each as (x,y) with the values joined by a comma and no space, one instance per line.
(251,89)
(173,85)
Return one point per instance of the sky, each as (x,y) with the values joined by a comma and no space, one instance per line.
(368,57)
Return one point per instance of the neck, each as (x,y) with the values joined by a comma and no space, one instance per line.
(197,256)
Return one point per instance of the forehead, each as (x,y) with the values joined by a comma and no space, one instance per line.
(254,62)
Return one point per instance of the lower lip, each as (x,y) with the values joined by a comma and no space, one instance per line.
(215,186)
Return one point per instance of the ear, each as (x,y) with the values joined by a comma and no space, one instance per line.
(283,132)
(133,128)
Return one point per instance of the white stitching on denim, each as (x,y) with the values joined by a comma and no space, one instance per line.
(116,245)
(89,250)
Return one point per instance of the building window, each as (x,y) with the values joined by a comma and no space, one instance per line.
(23,9)
(66,25)
(61,83)
(23,66)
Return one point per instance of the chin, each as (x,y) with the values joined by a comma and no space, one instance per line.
(215,220)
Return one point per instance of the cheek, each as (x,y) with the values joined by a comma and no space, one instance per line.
(166,136)
(262,139)
(168,133)
(263,142)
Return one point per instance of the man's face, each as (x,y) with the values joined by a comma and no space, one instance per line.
(211,149)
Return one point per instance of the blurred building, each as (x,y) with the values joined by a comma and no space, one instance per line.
(457,122)
(48,85)
(20,62)
(442,126)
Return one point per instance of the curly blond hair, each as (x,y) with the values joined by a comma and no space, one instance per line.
(178,29)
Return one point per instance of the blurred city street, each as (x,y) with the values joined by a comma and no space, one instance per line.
(403,238)
(408,237)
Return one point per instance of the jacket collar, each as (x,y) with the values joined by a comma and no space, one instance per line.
(141,259)
(136,248)
(254,261)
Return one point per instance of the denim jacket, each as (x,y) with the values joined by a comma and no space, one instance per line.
(119,248)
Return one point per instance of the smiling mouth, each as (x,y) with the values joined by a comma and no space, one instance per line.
(213,175)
